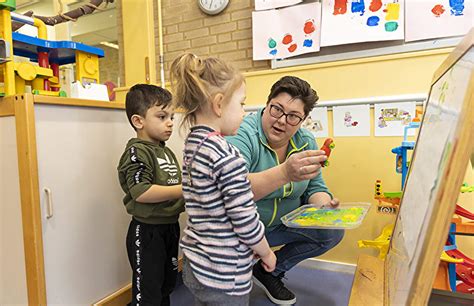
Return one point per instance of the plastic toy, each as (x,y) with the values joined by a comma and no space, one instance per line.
(466,188)
(401,159)
(347,216)
(466,227)
(43,77)
(327,147)
(382,242)
(387,197)
(456,270)
(392,198)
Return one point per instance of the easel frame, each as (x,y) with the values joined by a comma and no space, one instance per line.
(377,282)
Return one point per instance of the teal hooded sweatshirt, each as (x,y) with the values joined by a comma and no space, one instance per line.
(259,156)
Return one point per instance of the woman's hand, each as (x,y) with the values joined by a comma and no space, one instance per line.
(304,165)
(334,203)
(323,200)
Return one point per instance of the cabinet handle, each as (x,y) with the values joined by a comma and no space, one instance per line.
(49,203)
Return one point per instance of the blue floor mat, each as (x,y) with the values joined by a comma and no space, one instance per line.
(311,287)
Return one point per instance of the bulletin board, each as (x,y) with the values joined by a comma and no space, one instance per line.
(442,152)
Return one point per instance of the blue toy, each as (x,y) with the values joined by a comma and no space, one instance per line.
(401,160)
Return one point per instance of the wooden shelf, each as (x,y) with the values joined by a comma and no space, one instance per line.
(368,284)
(76,102)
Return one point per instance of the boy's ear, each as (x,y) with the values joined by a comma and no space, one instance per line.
(217,104)
(137,121)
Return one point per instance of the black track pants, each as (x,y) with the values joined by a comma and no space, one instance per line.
(153,254)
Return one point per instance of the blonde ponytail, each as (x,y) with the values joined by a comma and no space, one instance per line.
(195,81)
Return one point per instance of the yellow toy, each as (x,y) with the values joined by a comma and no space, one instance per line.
(382,242)
(49,55)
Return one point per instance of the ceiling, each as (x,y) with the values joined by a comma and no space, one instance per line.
(89,29)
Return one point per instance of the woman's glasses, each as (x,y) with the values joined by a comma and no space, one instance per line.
(291,119)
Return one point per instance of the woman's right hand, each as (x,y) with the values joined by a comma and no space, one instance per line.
(304,165)
(269,261)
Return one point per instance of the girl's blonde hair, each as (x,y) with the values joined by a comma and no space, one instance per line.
(196,81)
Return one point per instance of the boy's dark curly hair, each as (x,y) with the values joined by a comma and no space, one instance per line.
(142,97)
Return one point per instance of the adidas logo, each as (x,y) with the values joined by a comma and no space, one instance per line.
(167,165)
(172,181)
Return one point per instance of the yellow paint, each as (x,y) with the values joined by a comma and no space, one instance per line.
(139,41)
(358,78)
(393,11)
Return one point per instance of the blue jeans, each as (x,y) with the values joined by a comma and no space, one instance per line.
(300,244)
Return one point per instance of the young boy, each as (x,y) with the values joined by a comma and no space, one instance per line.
(150,176)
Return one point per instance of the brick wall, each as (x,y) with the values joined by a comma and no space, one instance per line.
(109,65)
(227,35)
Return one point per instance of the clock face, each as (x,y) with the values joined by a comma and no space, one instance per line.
(212,7)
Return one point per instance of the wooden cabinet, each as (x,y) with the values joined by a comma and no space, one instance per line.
(65,246)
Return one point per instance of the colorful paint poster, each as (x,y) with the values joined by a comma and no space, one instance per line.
(261,5)
(427,19)
(390,119)
(286,32)
(351,120)
(353,21)
(317,122)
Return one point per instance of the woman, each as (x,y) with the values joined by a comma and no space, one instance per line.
(284,166)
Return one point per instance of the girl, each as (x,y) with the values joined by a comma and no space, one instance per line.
(223,228)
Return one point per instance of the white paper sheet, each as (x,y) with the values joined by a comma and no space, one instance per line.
(317,122)
(427,19)
(345,22)
(286,32)
(434,145)
(272,4)
(392,118)
(351,120)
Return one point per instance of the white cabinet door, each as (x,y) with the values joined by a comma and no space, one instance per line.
(84,240)
(12,259)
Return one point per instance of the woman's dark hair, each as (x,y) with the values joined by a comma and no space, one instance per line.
(297,89)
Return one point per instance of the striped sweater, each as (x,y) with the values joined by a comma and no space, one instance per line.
(223,221)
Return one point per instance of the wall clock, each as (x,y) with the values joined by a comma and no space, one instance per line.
(212,7)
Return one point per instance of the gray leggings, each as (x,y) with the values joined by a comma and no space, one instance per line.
(205,296)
